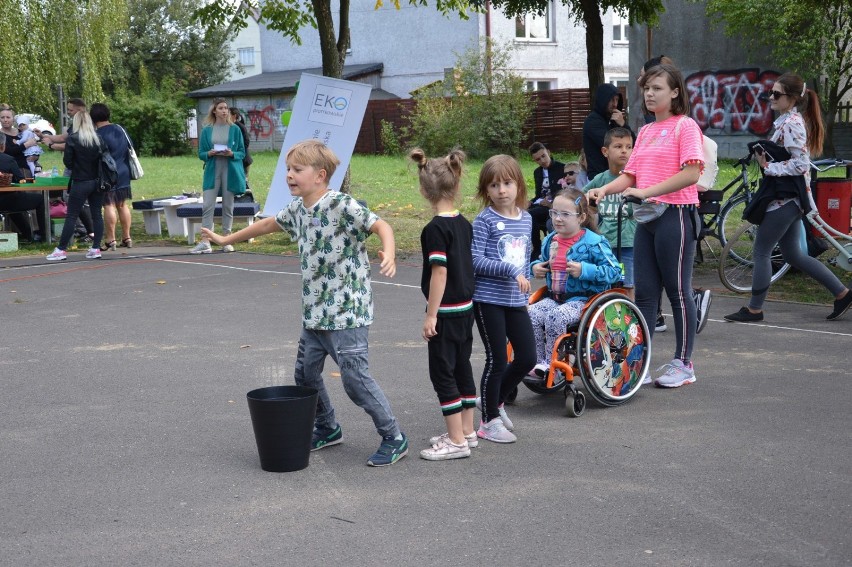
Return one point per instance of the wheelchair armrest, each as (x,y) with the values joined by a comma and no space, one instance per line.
(538,295)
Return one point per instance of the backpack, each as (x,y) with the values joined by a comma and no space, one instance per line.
(711,165)
(107,170)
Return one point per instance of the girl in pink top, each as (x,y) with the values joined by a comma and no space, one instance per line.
(663,169)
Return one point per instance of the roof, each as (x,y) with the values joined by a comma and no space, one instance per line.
(279,81)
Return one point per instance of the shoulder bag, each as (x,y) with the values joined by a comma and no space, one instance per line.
(136,171)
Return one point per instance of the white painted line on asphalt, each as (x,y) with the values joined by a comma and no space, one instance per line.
(765,326)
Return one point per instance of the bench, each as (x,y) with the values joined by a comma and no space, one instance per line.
(243,212)
(151,215)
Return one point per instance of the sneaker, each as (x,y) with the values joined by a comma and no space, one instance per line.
(840,306)
(202,248)
(702,307)
(661,326)
(445,450)
(56,255)
(323,438)
(541,370)
(227,248)
(472,439)
(390,451)
(495,431)
(744,316)
(676,374)
(507,423)
(93,254)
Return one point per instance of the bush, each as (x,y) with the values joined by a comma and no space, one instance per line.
(156,125)
(391,144)
(485,113)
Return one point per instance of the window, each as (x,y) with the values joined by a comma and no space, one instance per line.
(619,28)
(619,81)
(534,27)
(538,86)
(246,55)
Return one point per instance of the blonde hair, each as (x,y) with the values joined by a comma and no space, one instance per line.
(211,114)
(315,154)
(439,177)
(582,203)
(501,168)
(85,129)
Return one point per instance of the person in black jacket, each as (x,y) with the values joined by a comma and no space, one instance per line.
(18,202)
(546,176)
(607,113)
(237,119)
(82,156)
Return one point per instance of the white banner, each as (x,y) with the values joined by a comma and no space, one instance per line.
(325,109)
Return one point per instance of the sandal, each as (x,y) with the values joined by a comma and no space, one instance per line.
(127,243)
(108,246)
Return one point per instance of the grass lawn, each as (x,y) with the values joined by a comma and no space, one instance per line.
(389,186)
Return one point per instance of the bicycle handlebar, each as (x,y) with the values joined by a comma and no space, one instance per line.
(830,163)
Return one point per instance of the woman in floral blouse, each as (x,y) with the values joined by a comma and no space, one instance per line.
(799,130)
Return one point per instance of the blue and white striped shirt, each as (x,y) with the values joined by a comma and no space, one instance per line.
(501,252)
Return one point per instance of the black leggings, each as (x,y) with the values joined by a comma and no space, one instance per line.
(80,192)
(496,323)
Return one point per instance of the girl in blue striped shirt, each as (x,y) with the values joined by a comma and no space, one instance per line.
(501,251)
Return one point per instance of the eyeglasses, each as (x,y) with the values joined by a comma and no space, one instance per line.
(776,94)
(571,172)
(554,214)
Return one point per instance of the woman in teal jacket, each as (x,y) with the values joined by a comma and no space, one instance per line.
(222,150)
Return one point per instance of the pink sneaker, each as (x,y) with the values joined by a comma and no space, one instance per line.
(56,255)
(495,431)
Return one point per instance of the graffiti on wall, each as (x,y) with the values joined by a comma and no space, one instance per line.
(727,101)
(263,122)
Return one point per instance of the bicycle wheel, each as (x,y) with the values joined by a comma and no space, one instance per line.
(730,218)
(736,266)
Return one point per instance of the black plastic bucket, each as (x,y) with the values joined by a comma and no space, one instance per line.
(283,422)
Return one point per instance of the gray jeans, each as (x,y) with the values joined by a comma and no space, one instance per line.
(784,227)
(208,208)
(348,348)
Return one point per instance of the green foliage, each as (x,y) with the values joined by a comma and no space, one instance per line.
(56,42)
(165,40)
(390,139)
(157,124)
(486,112)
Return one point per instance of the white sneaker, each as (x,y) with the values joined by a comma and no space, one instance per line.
(647,380)
(495,431)
(541,369)
(676,374)
(202,248)
(93,254)
(227,248)
(56,255)
(472,439)
(445,450)
(503,415)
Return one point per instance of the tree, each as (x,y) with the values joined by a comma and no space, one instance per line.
(290,16)
(56,42)
(811,38)
(164,41)
(588,14)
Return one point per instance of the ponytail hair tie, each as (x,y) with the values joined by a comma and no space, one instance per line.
(804,89)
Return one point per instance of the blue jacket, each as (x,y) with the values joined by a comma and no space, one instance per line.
(600,268)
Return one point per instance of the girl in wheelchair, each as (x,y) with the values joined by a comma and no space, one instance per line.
(576,263)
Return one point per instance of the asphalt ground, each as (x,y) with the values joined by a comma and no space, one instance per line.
(126,438)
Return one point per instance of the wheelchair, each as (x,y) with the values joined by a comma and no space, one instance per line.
(609,348)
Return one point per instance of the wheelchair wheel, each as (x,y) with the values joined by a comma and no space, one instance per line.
(736,264)
(575,402)
(614,352)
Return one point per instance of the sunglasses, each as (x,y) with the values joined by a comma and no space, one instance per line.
(554,214)
(776,94)
(571,172)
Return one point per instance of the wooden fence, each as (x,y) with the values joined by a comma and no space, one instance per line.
(557,120)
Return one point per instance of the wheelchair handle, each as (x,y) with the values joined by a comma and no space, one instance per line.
(624,200)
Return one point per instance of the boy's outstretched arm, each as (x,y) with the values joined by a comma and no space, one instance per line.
(387,254)
(261,227)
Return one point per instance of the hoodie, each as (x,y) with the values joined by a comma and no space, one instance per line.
(596,125)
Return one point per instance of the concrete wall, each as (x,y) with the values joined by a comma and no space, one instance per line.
(415,44)
(249,37)
(723,84)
